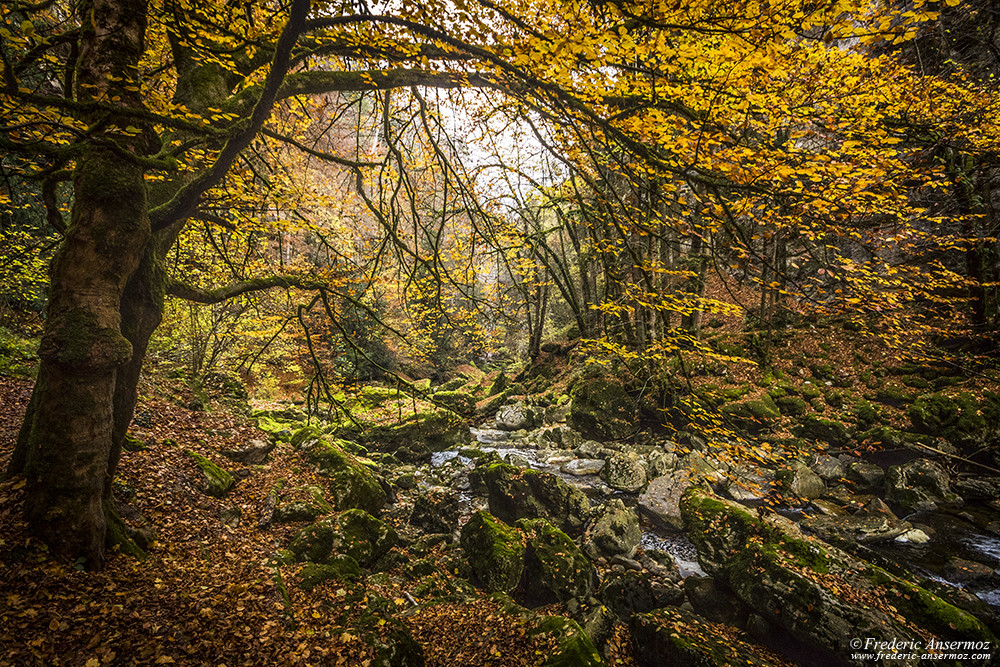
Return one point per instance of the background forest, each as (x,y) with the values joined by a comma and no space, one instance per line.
(264,264)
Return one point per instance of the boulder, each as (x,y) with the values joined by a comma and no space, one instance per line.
(580,467)
(354,533)
(340,568)
(217,482)
(672,637)
(495,552)
(253,453)
(624,472)
(875,522)
(573,647)
(713,602)
(602,409)
(745,483)
(827,467)
(555,569)
(830,431)
(435,510)
(515,494)
(753,415)
(821,595)
(866,477)
(918,485)
(514,417)
(661,500)
(614,531)
(351,480)
(799,481)
(627,592)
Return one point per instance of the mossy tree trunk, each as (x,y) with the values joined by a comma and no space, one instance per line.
(68,433)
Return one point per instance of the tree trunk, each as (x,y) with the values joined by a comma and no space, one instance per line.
(68,435)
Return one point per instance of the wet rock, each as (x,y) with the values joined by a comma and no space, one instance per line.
(515,494)
(866,477)
(978,488)
(630,592)
(580,467)
(613,532)
(799,481)
(253,453)
(714,603)
(624,472)
(435,510)
(875,522)
(962,571)
(660,463)
(745,483)
(296,511)
(913,536)
(495,552)
(918,485)
(661,500)
(555,569)
(811,589)
(827,467)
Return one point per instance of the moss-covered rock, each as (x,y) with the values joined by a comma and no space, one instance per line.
(673,637)
(821,595)
(918,485)
(354,533)
(217,481)
(435,510)
(602,409)
(830,431)
(352,481)
(339,567)
(555,569)
(796,479)
(614,531)
(754,415)
(365,538)
(574,647)
(624,472)
(956,419)
(628,592)
(461,402)
(495,552)
(516,493)
(793,406)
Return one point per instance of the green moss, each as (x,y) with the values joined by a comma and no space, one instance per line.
(219,482)
(554,567)
(340,568)
(495,551)
(824,430)
(574,648)
(365,538)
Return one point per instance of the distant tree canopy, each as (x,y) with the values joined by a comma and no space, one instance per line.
(216,150)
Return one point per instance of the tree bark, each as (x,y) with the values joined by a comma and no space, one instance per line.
(68,434)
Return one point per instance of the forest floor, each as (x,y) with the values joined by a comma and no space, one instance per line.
(207,594)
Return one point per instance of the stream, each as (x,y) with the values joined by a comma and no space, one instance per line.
(972,533)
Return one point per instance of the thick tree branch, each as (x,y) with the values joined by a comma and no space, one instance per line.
(220,294)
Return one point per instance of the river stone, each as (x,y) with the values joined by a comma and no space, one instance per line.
(962,571)
(350,479)
(624,472)
(812,589)
(913,536)
(363,537)
(918,485)
(746,483)
(714,603)
(514,417)
(515,494)
(875,522)
(435,510)
(660,463)
(827,467)
(495,552)
(661,501)
(555,569)
(867,477)
(798,480)
(613,532)
(602,409)
(580,467)
(978,488)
